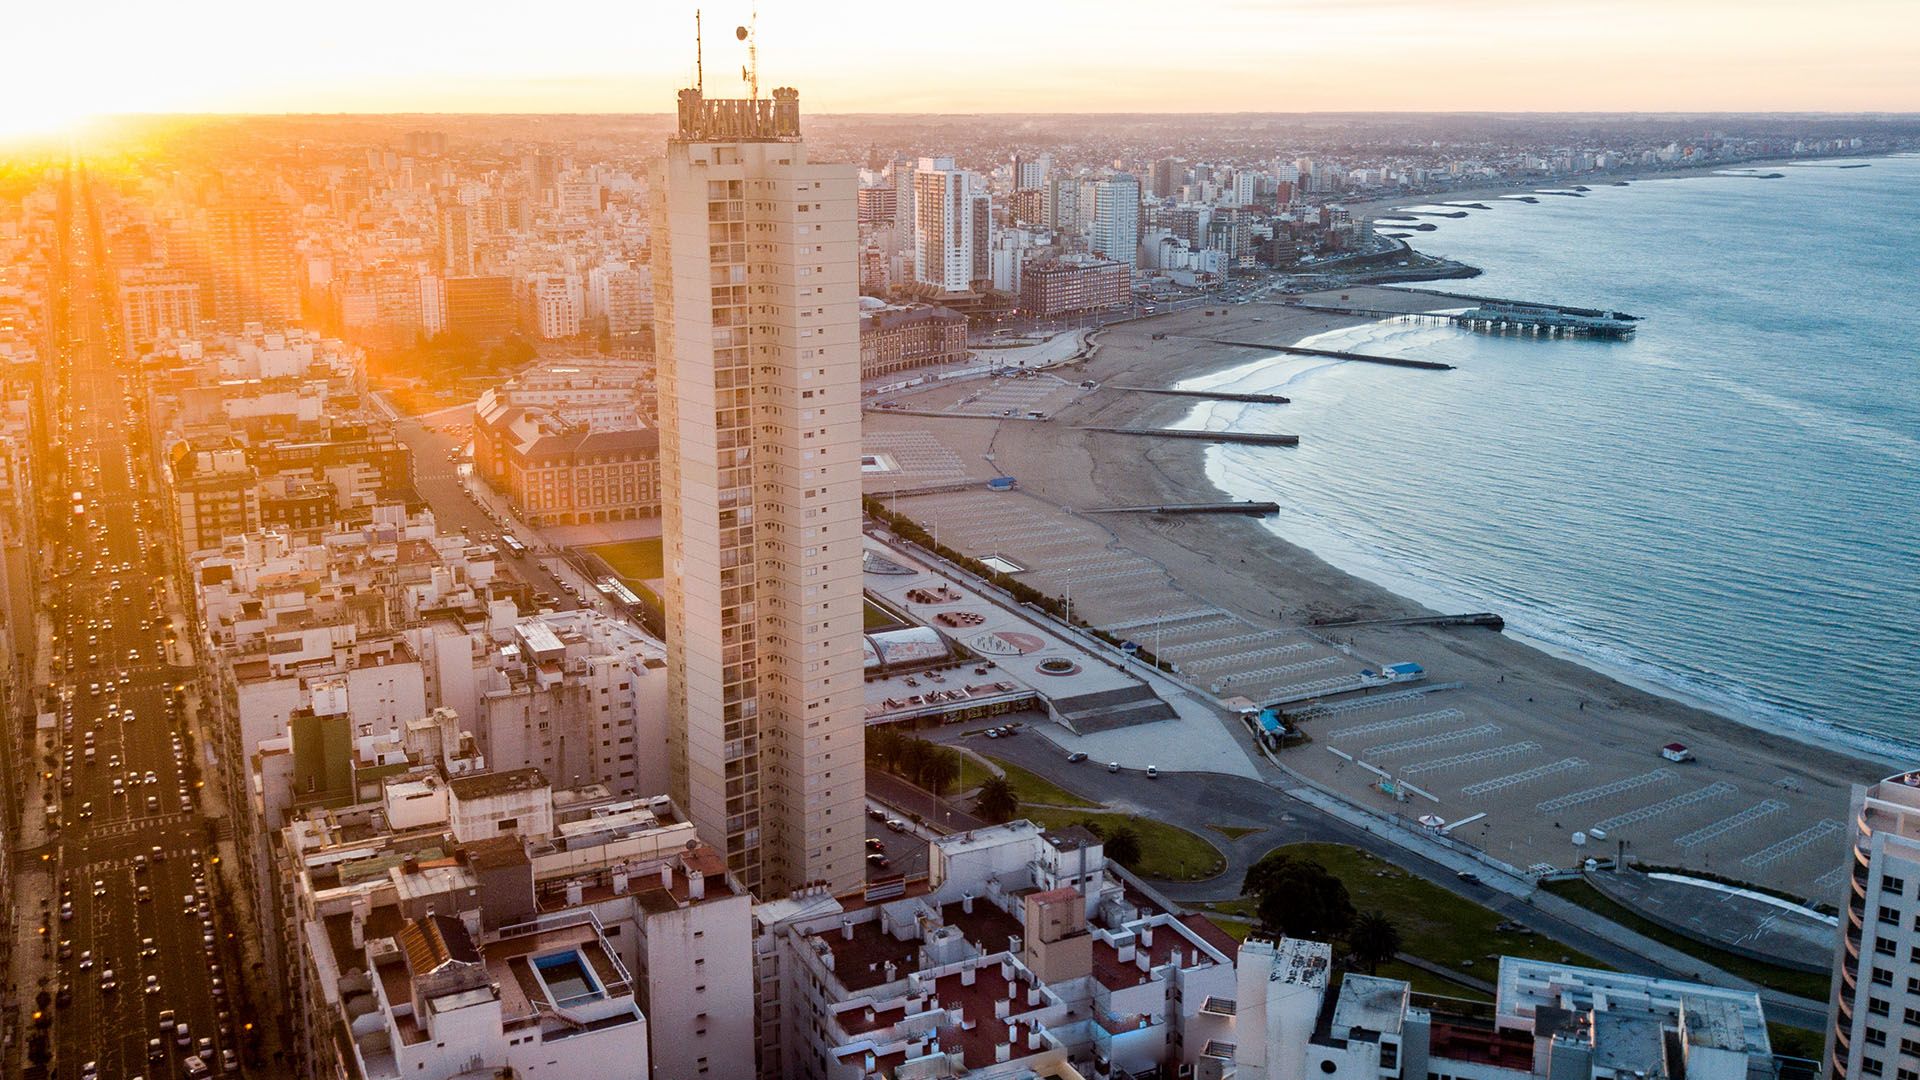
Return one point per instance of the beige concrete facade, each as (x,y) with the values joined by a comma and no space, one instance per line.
(759,372)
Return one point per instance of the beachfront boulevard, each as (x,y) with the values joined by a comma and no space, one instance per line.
(1533,761)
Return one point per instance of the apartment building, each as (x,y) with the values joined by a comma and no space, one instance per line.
(454,923)
(757,336)
(943,226)
(1550,1021)
(1874,1012)
(1070,285)
(1024,955)
(158,301)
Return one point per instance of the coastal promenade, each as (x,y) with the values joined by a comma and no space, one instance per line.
(1544,761)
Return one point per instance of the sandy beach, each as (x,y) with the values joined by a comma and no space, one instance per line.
(1542,746)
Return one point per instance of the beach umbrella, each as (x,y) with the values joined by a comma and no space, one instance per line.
(1432,821)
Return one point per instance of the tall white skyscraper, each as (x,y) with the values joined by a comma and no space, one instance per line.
(942,226)
(1873,1017)
(757,332)
(1116,218)
(1031,172)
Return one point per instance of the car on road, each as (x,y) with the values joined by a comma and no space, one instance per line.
(896,825)
(1153,772)
(1113,766)
(108,984)
(878,860)
(1076,757)
(194,1067)
(148,950)
(153,984)
(86,960)
(1469,877)
(874,843)
(876,813)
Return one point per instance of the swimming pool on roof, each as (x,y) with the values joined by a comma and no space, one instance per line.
(567,978)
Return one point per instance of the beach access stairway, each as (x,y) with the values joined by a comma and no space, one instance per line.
(1107,710)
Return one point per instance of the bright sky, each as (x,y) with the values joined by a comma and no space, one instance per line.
(69,58)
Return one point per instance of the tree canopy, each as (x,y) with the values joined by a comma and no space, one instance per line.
(1298,898)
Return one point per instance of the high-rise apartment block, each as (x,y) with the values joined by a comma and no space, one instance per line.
(1030,173)
(1116,219)
(943,226)
(457,234)
(249,257)
(878,206)
(1874,1014)
(757,334)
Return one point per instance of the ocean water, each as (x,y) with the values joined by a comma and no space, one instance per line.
(1726,506)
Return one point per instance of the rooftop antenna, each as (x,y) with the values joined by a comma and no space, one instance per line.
(699,63)
(750,34)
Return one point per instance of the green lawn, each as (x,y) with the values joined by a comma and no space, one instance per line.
(1233,832)
(1166,853)
(1804,984)
(972,774)
(876,617)
(1034,788)
(1435,924)
(635,560)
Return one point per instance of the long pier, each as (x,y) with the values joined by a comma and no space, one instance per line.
(1336,354)
(1211,395)
(1478,618)
(1250,438)
(1249,507)
(1541,320)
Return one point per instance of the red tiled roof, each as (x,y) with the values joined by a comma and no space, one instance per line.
(1210,932)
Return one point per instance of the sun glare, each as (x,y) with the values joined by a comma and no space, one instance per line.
(23,119)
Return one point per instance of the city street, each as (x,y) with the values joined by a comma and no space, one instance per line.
(130,907)
(437,479)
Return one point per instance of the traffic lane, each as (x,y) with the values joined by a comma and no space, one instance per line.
(906,854)
(455,509)
(906,799)
(91,849)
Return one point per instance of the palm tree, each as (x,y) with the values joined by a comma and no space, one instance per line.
(1373,938)
(941,766)
(996,801)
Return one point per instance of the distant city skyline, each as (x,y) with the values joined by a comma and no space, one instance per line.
(994,56)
